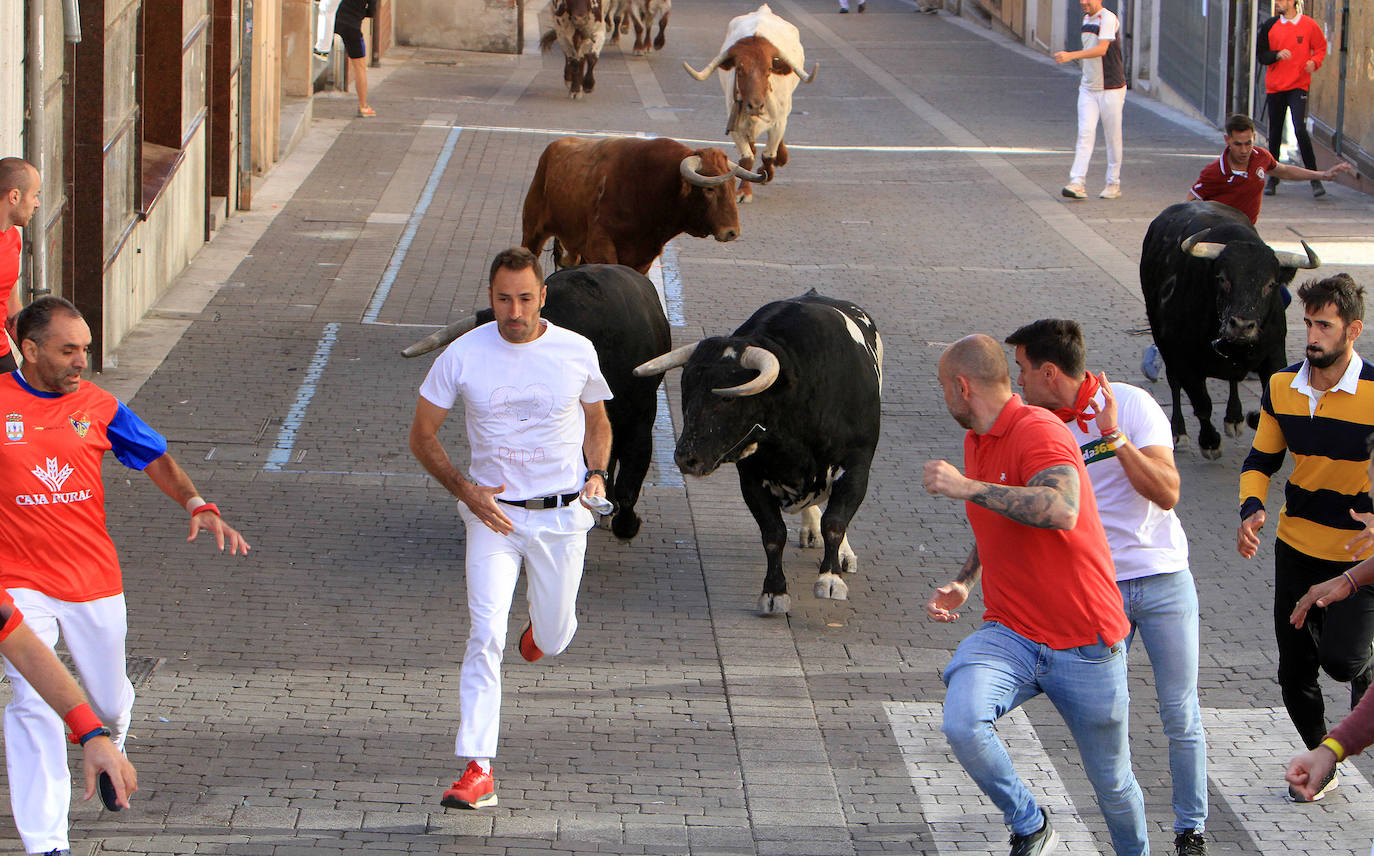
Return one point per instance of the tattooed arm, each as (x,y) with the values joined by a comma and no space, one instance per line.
(1048,501)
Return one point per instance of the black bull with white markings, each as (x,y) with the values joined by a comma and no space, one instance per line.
(618,309)
(1212,292)
(793,400)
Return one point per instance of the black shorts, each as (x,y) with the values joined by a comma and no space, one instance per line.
(352,34)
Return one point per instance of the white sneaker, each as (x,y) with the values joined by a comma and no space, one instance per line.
(1074,190)
(1111,191)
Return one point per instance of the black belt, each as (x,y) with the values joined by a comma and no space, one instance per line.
(555,501)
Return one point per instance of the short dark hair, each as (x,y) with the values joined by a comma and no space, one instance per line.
(1340,290)
(1237,122)
(16,173)
(515,259)
(1057,340)
(33,320)
(1369,443)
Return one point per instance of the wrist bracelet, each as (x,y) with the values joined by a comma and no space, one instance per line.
(206,506)
(1353,586)
(605,476)
(1335,747)
(1110,431)
(193,503)
(102,731)
(81,720)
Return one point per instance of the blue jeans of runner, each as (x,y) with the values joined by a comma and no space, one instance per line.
(994,671)
(1163,610)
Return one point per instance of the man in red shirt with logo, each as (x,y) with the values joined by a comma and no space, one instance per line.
(1237,177)
(56,557)
(19,186)
(1296,47)
(1054,620)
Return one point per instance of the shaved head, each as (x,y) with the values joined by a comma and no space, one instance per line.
(979,358)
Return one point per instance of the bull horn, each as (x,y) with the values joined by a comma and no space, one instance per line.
(689,168)
(760,360)
(741,172)
(705,72)
(440,338)
(675,358)
(1294,260)
(807,78)
(1195,246)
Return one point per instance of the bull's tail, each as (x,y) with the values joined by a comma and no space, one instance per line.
(546,41)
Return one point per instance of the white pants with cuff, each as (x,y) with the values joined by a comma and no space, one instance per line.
(1106,105)
(35,736)
(552,543)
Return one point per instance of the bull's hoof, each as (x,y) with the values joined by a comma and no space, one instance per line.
(774,604)
(625,525)
(849,563)
(1232,429)
(574,95)
(832,587)
(810,534)
(639,52)
(743,197)
(1212,454)
(1181,442)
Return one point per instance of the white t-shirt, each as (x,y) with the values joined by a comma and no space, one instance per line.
(1145,539)
(523,406)
(1103,72)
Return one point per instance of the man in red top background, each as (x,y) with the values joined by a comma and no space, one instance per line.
(1054,620)
(1293,46)
(1237,177)
(19,186)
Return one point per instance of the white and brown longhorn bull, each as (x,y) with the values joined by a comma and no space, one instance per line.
(760,64)
(643,14)
(580,31)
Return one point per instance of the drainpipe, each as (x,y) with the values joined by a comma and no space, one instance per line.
(38,238)
(71,20)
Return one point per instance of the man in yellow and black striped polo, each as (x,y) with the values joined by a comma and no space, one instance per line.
(1321,410)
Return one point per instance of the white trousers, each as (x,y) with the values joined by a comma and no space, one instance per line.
(552,543)
(35,736)
(1106,105)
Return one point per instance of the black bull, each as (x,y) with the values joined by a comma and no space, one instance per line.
(793,399)
(618,309)
(1213,294)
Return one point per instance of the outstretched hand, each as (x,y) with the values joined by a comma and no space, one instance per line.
(223,532)
(100,755)
(946,599)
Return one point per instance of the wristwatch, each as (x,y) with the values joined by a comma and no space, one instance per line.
(605,476)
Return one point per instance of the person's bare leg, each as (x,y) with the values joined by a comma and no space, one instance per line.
(357,69)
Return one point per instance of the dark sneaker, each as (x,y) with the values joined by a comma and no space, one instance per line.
(1040,841)
(62,852)
(1190,842)
(862,6)
(1272,187)
(475,790)
(1327,787)
(844,11)
(1317,190)
(528,649)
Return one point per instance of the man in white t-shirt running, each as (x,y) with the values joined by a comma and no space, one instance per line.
(533,400)
(1128,450)
(1101,95)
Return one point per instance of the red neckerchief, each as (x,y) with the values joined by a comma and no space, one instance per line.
(1079,411)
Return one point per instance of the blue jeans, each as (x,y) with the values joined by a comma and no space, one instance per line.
(1163,609)
(993,672)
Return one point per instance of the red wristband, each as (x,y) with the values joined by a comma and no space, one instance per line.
(210,507)
(81,720)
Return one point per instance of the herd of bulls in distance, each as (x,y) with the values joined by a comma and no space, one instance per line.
(792,398)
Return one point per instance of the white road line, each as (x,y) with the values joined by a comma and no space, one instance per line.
(667,280)
(650,93)
(295,417)
(1248,750)
(961,818)
(398,256)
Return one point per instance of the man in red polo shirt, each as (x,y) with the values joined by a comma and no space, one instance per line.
(1237,177)
(1053,620)
(19,186)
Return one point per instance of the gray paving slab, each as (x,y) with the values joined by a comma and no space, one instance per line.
(305,698)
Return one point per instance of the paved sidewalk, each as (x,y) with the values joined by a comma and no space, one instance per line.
(304,699)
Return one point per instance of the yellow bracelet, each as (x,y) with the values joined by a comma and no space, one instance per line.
(1336,748)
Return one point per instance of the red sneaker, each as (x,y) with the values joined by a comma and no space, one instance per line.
(475,790)
(528,649)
